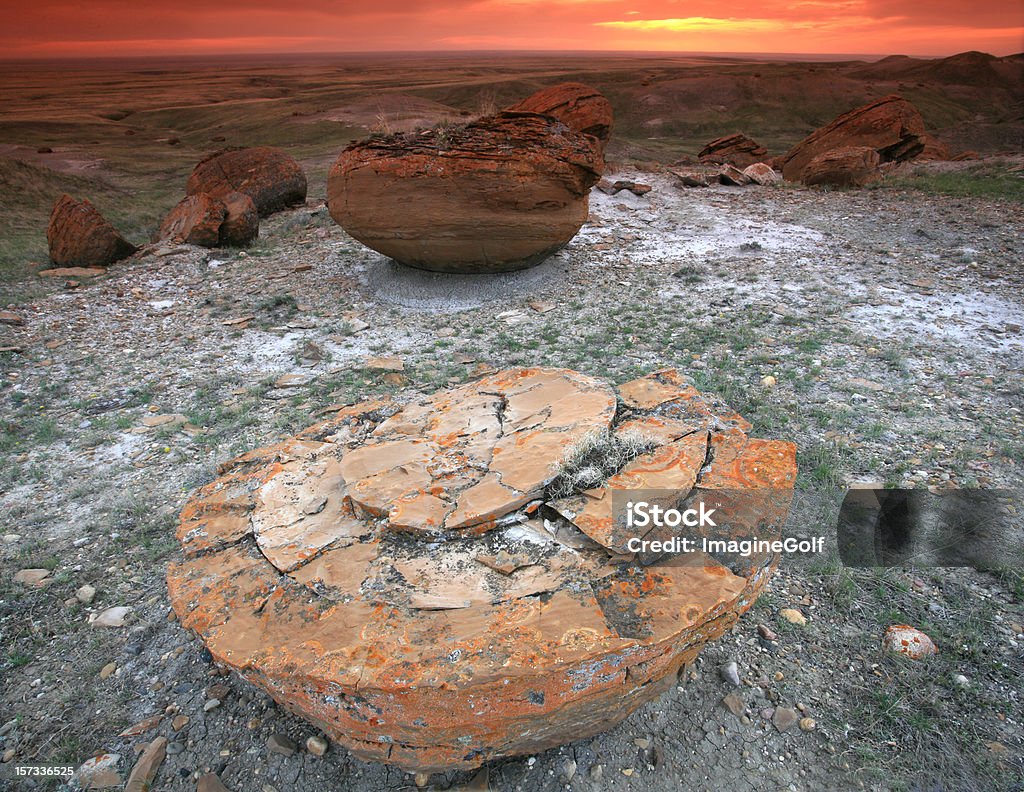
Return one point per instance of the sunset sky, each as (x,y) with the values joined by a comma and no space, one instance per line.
(46,28)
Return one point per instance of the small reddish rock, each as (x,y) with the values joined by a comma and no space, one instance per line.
(909,641)
(196,220)
(762,174)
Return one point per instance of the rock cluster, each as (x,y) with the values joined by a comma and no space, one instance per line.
(421,583)
(78,235)
(501,193)
(204,220)
(270,177)
(891,126)
(227,194)
(736,149)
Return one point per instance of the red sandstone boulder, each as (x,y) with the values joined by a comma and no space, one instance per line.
(501,193)
(442,583)
(853,166)
(196,220)
(79,236)
(735,149)
(241,220)
(891,126)
(581,108)
(204,220)
(271,178)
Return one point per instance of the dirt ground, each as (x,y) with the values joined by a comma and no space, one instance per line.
(889,321)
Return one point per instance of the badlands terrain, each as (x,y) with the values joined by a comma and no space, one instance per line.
(879,329)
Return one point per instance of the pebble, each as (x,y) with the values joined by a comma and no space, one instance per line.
(281,744)
(9,754)
(769,381)
(734,704)
(175,748)
(793,616)
(212,704)
(730,673)
(960,680)
(596,772)
(317,745)
(767,633)
(111,617)
(11,538)
(107,670)
(808,724)
(210,783)
(85,594)
(908,641)
(179,722)
(34,578)
(784,718)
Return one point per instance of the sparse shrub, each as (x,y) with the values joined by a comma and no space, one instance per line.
(590,461)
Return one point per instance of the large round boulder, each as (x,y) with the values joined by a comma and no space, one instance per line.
(270,177)
(498,194)
(79,236)
(581,108)
(445,582)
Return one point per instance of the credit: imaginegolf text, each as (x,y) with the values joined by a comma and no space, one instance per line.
(641,514)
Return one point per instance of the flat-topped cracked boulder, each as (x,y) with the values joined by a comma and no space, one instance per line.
(498,194)
(443,582)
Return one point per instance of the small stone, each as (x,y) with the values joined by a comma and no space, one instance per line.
(210,783)
(168,419)
(8,318)
(32,578)
(627,771)
(281,744)
(293,380)
(317,745)
(769,381)
(8,727)
(784,718)
(793,616)
(908,641)
(99,772)
(111,617)
(808,724)
(11,538)
(730,673)
(390,363)
(107,670)
(212,704)
(767,633)
(421,779)
(175,748)
(8,755)
(568,771)
(179,722)
(960,680)
(142,775)
(734,704)
(642,743)
(596,772)
(86,594)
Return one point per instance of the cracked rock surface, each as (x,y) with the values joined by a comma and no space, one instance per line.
(397,575)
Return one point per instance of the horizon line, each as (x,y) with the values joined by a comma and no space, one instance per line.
(491,52)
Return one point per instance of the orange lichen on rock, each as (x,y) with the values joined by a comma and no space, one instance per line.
(398,576)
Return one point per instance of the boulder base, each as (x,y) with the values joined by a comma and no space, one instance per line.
(270,177)
(79,236)
(501,193)
(853,166)
(426,584)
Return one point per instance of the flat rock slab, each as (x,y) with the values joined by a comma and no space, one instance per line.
(398,576)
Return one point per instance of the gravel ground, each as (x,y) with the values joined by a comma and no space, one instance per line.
(879,330)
